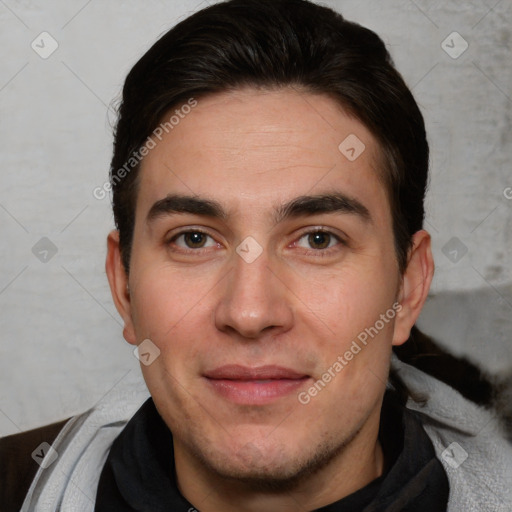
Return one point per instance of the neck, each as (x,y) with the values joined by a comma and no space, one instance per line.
(356,465)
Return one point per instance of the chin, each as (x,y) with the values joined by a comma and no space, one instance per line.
(262,475)
(269,468)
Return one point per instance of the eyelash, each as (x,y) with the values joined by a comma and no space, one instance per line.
(312,252)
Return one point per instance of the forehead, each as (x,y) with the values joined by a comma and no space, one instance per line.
(252,148)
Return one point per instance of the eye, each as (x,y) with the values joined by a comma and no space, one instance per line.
(319,240)
(192,240)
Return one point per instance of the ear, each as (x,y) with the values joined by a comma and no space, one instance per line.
(415,286)
(118,281)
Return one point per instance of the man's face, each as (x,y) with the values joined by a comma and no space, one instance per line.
(252,308)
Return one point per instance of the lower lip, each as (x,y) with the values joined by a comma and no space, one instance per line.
(251,392)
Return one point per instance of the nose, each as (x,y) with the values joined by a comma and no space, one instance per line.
(254,300)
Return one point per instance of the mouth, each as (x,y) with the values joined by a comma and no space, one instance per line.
(254,386)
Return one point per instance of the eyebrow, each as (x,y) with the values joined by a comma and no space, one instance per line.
(301,206)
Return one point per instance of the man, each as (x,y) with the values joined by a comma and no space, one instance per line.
(268,179)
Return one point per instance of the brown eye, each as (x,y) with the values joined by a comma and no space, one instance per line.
(194,239)
(319,240)
(187,240)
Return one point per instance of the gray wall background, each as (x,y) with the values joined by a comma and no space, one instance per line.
(61,339)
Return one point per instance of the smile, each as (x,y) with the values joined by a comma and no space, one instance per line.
(254,386)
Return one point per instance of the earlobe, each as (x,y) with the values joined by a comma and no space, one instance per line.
(415,286)
(119,288)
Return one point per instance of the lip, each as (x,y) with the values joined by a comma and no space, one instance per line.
(239,372)
(254,386)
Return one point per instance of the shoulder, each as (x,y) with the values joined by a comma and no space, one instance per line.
(82,446)
(18,466)
(469,440)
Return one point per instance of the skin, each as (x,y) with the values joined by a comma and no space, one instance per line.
(252,150)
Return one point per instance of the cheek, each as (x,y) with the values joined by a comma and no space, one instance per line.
(354,350)
(172,315)
(349,299)
(164,301)
(347,310)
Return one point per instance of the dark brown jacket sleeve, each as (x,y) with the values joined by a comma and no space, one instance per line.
(17,466)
